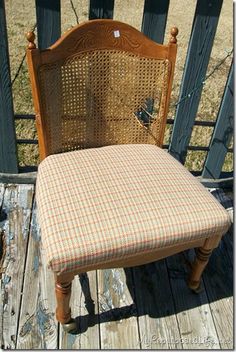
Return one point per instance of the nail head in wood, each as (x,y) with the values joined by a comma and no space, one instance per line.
(31,38)
(173,34)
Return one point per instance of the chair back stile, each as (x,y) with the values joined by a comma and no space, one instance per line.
(102,83)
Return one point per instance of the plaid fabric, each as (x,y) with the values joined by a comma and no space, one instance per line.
(108,203)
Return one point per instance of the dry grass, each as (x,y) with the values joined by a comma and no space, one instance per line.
(21,18)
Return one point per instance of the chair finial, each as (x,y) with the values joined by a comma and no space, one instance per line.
(173,34)
(31,38)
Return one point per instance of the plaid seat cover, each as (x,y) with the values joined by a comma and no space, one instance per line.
(107,203)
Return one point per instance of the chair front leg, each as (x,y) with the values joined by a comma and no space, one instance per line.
(202,257)
(63,285)
(201,260)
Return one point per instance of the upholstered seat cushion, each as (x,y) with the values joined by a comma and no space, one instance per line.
(100,204)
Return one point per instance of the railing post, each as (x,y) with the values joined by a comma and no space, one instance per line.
(48,13)
(8,154)
(222,133)
(199,50)
(154,19)
(101,9)
(153,26)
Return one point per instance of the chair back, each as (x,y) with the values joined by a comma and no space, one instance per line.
(102,83)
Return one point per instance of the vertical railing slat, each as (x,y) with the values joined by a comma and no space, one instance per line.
(199,50)
(154,19)
(8,154)
(153,26)
(48,15)
(101,9)
(222,133)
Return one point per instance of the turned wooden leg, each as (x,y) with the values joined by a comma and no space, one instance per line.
(63,293)
(201,260)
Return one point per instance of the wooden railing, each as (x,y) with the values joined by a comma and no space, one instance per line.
(207,12)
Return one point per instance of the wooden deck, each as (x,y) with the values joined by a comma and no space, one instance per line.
(148,307)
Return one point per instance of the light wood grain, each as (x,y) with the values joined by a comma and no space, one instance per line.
(17,209)
(157,321)
(118,321)
(84,307)
(197,329)
(38,327)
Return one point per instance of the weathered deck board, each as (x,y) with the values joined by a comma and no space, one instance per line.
(84,307)
(117,311)
(38,327)
(2,189)
(193,313)
(218,280)
(157,321)
(16,211)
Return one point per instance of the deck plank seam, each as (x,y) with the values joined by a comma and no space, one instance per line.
(14,203)
(1,199)
(212,315)
(1,262)
(204,289)
(99,328)
(173,300)
(135,300)
(2,253)
(204,279)
(25,261)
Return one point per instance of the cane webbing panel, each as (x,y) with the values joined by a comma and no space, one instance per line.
(103,204)
(99,98)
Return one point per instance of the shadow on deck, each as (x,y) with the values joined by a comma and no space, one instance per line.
(144,280)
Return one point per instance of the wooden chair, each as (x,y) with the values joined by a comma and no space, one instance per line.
(107,194)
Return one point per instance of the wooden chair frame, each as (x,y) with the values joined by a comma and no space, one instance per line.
(90,36)
(77,40)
